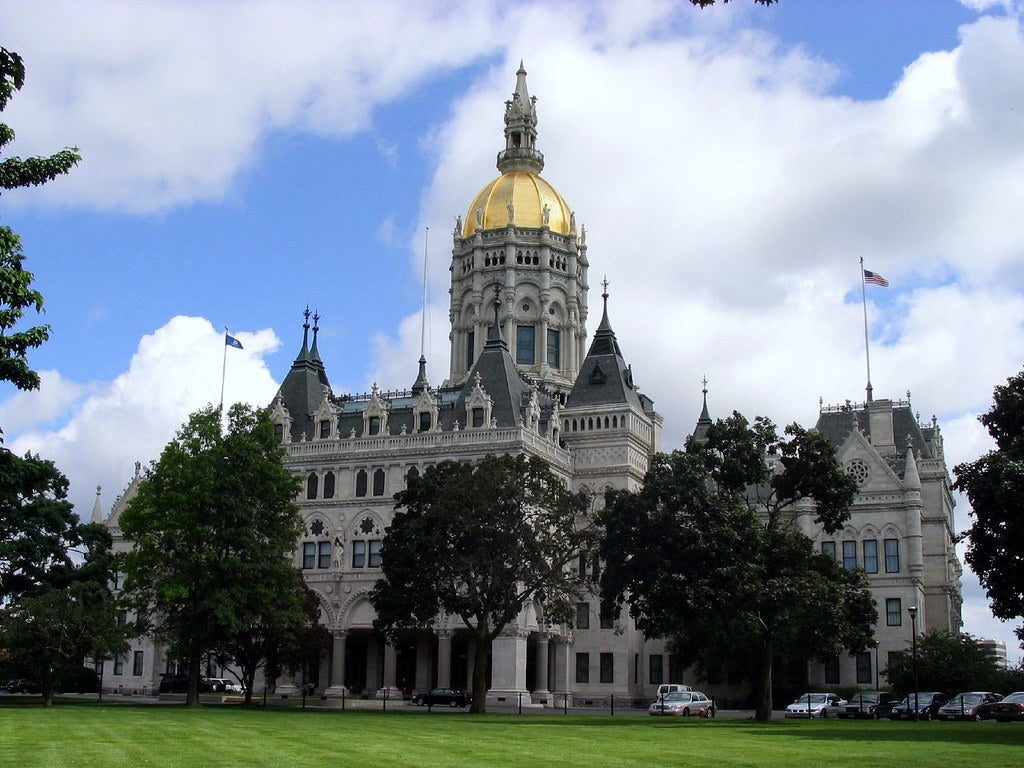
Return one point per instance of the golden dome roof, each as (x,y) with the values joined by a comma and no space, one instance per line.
(528,193)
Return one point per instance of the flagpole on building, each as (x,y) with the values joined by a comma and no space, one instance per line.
(223,371)
(867,347)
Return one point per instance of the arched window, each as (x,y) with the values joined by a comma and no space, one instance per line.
(329,485)
(412,474)
(312,483)
(361,482)
(378,482)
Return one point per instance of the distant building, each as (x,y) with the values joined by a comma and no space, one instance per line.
(522,380)
(997,648)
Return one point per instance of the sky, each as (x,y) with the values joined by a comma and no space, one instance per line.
(732,165)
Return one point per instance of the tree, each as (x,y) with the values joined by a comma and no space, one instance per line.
(994,485)
(213,519)
(478,542)
(16,293)
(278,626)
(46,636)
(37,525)
(707,553)
(946,662)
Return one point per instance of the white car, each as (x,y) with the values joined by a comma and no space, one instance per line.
(683,704)
(821,705)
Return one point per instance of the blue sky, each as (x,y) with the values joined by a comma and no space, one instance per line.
(731,165)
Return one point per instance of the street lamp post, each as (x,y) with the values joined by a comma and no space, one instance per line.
(912,610)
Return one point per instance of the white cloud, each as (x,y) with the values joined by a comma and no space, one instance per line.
(175,371)
(168,101)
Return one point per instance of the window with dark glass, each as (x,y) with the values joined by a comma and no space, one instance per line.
(373,425)
(378,482)
(582,615)
(478,417)
(582,667)
(607,619)
(675,666)
(118,663)
(829,548)
(655,669)
(361,482)
(122,618)
(424,421)
(526,340)
(607,668)
(375,548)
(864,667)
(892,555)
(137,657)
(893,612)
(554,348)
(832,671)
(325,429)
(323,558)
(412,474)
(470,348)
(849,555)
(359,554)
(308,555)
(312,483)
(870,547)
(279,432)
(329,485)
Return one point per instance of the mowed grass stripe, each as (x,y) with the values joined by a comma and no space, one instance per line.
(111,736)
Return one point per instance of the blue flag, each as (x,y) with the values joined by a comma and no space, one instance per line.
(231,341)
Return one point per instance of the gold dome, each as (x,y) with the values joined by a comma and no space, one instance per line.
(528,193)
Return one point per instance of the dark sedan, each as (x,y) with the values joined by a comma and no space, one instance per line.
(970,705)
(1009,708)
(869,705)
(928,703)
(443,697)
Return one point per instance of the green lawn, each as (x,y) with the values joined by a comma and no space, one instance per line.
(110,736)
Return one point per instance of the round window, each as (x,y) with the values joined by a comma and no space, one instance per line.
(858,470)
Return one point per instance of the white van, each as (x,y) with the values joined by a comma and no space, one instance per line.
(666,688)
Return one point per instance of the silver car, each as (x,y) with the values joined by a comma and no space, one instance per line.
(683,704)
(821,705)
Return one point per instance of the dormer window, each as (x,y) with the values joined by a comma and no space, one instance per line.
(478,417)
(279,432)
(325,429)
(373,425)
(424,421)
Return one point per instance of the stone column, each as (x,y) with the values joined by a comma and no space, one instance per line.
(390,670)
(508,668)
(444,658)
(337,686)
(541,693)
(423,660)
(562,684)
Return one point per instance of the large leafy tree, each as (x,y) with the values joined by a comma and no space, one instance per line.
(994,485)
(478,542)
(278,626)
(707,553)
(946,662)
(213,519)
(47,635)
(16,292)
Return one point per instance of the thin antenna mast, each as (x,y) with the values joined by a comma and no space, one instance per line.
(867,349)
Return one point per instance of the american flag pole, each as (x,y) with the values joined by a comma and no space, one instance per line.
(867,347)
(223,371)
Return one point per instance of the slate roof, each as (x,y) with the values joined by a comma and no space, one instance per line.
(604,377)
(837,424)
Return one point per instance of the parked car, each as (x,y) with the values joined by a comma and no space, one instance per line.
(179,684)
(970,705)
(869,705)
(928,703)
(226,685)
(683,704)
(821,705)
(20,685)
(442,696)
(666,688)
(1008,708)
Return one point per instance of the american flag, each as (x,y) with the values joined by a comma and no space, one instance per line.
(873,278)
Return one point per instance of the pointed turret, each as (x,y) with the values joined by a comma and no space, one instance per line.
(911,477)
(700,432)
(604,377)
(306,385)
(97,510)
(520,153)
(421,378)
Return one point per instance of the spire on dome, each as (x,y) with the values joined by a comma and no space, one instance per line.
(520,153)
(304,352)
(421,378)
